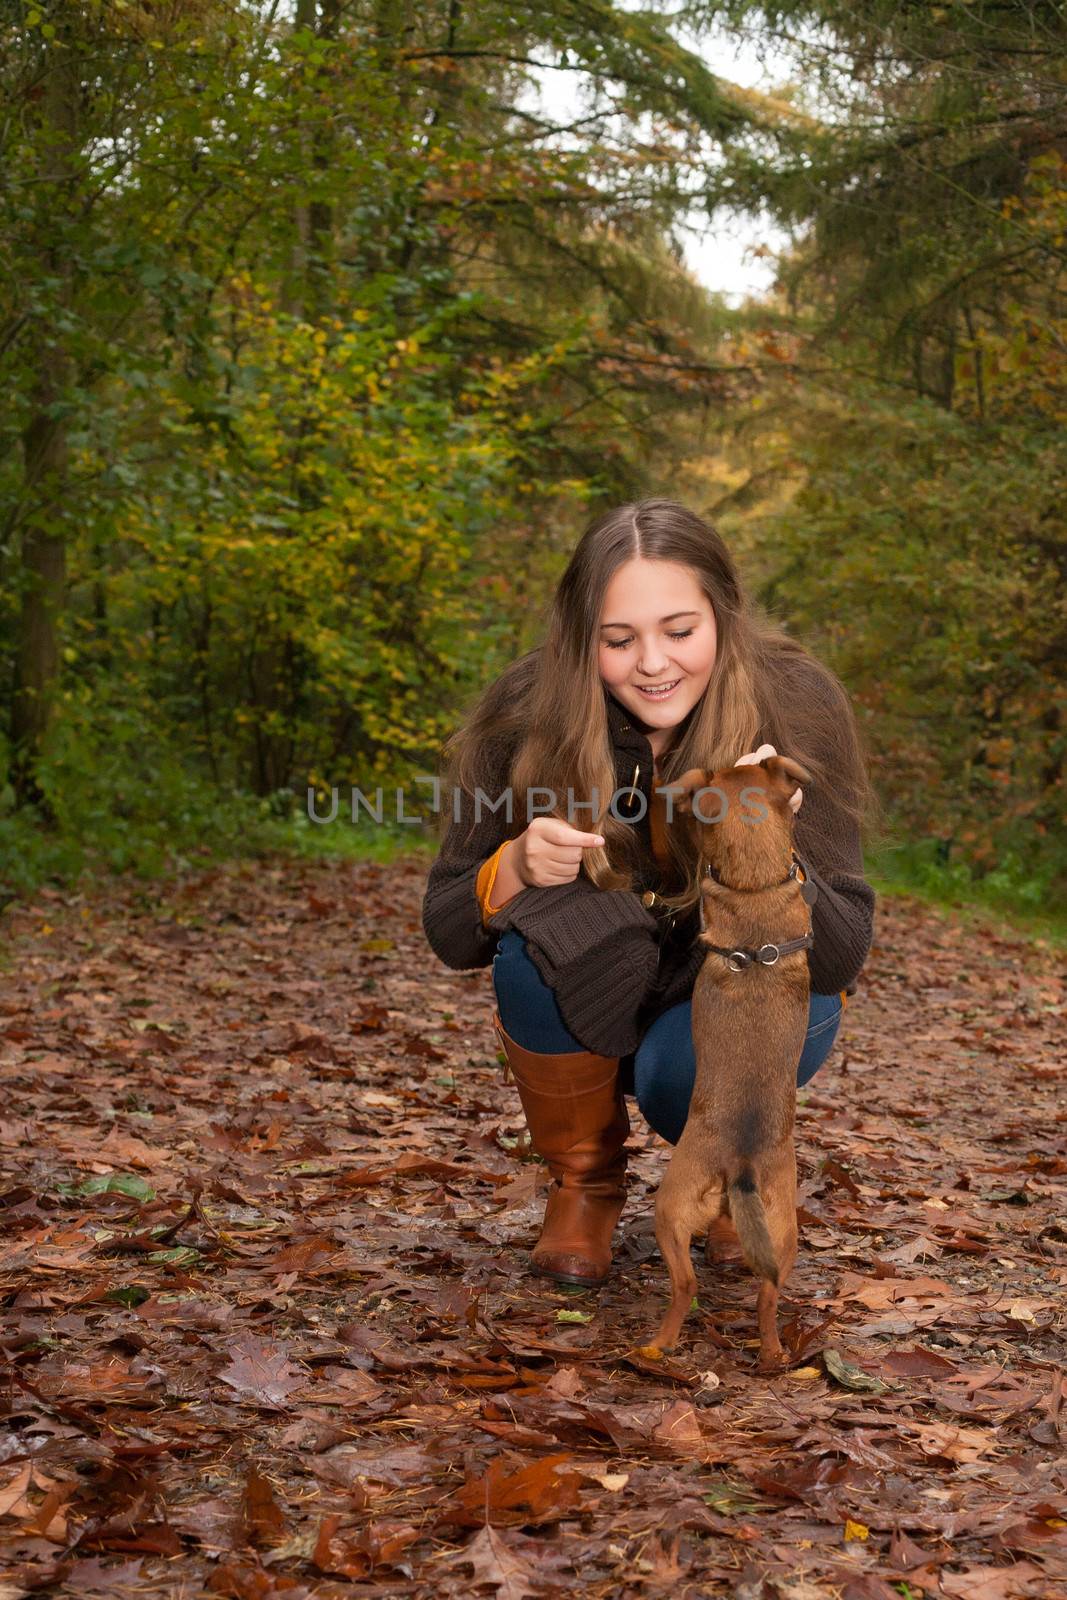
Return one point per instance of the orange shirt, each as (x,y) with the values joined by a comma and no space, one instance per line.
(485,880)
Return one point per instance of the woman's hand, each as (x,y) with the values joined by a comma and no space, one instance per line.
(755,757)
(550,851)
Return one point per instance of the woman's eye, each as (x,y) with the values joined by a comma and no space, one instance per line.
(620,644)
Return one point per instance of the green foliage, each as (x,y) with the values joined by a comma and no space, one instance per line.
(315,348)
(292,594)
(904,499)
(912,551)
(123,802)
(127,1183)
(302,436)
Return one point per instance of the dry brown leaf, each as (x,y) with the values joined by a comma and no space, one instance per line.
(1017,1582)
(14,1496)
(261,1515)
(261,1370)
(679,1429)
(538,1491)
(495,1563)
(954,1444)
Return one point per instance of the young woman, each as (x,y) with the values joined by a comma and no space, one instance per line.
(583,898)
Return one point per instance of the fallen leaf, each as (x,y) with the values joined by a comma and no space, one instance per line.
(300,1256)
(91,1576)
(261,1370)
(954,1444)
(880,1294)
(539,1491)
(566,1382)
(679,1429)
(851,1376)
(905,1555)
(261,1515)
(919,1363)
(612,1481)
(14,1497)
(797,1589)
(995,1583)
(495,1563)
(127,1183)
(913,1250)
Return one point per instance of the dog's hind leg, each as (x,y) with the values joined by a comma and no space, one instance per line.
(689,1197)
(674,1236)
(780,1190)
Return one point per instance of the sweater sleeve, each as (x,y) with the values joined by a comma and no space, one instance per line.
(675,984)
(842,921)
(842,917)
(597,949)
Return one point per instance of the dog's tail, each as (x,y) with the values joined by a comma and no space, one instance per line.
(750,1220)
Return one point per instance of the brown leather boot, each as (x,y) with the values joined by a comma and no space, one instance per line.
(577,1119)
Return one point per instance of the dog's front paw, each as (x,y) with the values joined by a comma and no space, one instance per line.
(651,1352)
(773,1360)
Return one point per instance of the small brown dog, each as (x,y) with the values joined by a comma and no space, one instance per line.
(750,1018)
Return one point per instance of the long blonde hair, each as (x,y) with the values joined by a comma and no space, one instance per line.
(548,707)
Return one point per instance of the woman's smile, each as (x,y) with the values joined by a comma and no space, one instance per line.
(659,691)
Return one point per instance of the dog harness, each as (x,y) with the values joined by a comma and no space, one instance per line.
(767,954)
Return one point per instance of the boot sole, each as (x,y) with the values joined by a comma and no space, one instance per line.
(571,1278)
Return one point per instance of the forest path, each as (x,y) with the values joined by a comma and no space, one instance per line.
(269,1329)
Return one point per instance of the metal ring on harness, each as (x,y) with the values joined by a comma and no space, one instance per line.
(737,961)
(762,958)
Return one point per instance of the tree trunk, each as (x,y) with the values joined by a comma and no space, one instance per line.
(309,295)
(42,578)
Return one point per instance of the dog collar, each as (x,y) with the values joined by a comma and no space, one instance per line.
(767,954)
(796,870)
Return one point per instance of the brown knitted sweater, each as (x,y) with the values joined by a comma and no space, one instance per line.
(612,964)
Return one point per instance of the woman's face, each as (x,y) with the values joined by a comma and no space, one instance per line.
(656,628)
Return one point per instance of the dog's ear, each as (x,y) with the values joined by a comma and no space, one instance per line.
(787,774)
(685,787)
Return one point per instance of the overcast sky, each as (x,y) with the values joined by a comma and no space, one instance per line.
(721,258)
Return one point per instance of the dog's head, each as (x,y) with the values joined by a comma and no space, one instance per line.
(742,813)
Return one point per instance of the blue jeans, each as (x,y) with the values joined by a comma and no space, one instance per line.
(662,1070)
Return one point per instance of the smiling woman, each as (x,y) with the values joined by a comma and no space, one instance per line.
(657,666)
(654,662)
